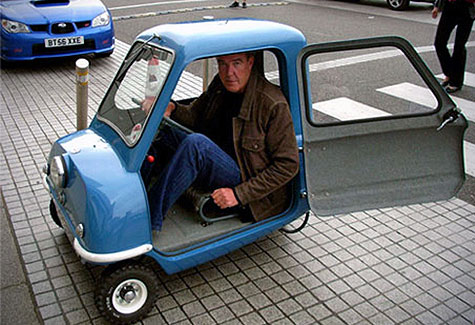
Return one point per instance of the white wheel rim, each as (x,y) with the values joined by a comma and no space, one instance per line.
(395,3)
(136,296)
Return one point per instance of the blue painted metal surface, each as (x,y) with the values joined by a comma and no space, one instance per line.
(38,17)
(108,200)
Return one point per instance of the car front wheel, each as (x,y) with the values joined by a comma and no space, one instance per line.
(54,214)
(126,294)
(398,4)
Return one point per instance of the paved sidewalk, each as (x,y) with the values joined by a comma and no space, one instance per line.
(17,305)
(405,265)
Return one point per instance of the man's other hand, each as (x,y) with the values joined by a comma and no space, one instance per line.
(224,198)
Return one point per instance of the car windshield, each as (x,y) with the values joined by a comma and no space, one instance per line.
(134,90)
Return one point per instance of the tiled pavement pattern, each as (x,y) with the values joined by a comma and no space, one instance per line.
(405,265)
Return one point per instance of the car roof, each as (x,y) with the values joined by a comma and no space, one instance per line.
(206,38)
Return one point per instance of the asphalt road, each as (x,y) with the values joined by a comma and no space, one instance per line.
(319,20)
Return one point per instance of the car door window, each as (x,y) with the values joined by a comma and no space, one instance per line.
(366,84)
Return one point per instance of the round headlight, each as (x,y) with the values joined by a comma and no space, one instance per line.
(57,172)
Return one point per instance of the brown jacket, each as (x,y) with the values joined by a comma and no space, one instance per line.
(264,140)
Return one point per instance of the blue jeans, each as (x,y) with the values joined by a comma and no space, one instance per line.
(197,160)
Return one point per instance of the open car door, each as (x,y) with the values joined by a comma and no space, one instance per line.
(378,128)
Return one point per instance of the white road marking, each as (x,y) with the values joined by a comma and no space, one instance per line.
(346,109)
(142,5)
(424,96)
(469,157)
(416,94)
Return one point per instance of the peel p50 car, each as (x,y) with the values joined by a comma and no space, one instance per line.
(361,147)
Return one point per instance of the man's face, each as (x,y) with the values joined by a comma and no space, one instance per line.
(234,71)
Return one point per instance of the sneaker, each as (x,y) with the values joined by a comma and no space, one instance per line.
(244,5)
(234,4)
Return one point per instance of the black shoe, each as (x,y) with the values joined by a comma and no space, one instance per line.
(244,5)
(444,83)
(234,4)
(452,89)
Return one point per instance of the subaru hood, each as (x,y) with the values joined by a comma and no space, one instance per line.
(48,11)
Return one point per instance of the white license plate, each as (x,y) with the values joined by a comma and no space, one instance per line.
(64,41)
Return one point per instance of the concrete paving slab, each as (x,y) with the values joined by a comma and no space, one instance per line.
(16,300)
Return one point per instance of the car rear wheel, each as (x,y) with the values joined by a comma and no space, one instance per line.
(398,4)
(126,293)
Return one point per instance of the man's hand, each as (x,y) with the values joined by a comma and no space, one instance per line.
(170,108)
(435,12)
(147,105)
(224,198)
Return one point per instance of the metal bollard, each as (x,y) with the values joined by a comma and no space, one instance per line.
(82,79)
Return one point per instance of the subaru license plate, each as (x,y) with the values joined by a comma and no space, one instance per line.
(64,41)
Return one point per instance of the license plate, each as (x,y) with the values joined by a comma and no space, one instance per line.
(64,41)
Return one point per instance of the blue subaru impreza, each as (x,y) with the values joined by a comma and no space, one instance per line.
(34,29)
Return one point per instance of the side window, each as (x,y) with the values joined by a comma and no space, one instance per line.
(271,68)
(364,84)
(199,74)
(190,84)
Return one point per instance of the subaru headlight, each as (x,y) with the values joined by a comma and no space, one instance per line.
(58,172)
(101,20)
(14,27)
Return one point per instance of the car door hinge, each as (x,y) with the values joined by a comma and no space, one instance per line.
(449,117)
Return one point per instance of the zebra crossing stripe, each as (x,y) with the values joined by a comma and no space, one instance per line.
(469,157)
(423,96)
(347,109)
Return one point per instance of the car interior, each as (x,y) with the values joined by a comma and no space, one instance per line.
(194,218)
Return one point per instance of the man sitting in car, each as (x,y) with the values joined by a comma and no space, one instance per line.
(244,150)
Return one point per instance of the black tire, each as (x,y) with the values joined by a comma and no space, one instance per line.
(132,281)
(54,214)
(398,4)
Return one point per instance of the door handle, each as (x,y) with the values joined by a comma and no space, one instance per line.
(449,117)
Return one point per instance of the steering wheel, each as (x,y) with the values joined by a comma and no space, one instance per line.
(172,123)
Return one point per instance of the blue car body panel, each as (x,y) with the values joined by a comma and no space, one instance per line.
(40,16)
(106,191)
(108,200)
